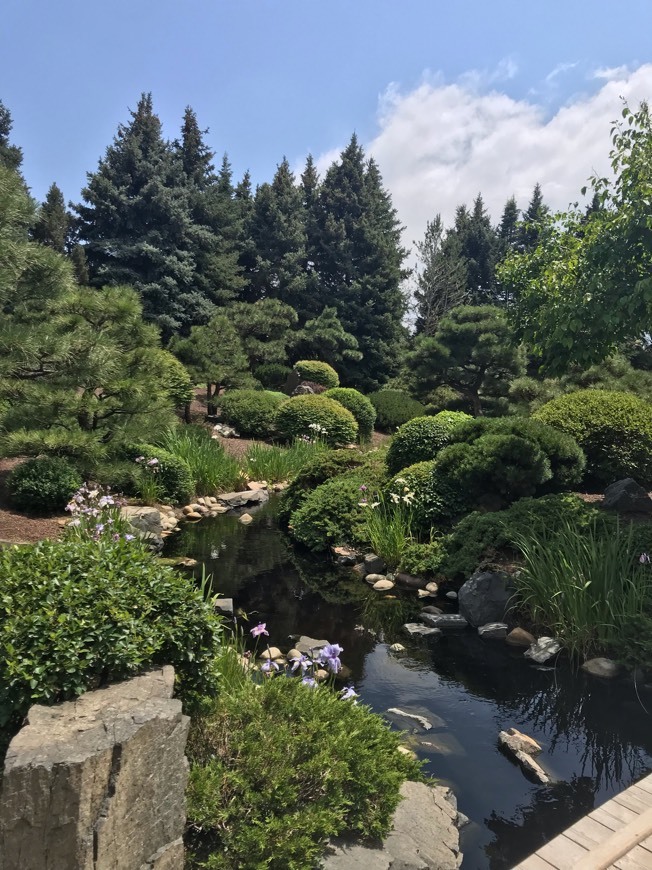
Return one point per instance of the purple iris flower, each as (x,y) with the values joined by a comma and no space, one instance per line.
(309,681)
(260,629)
(348,693)
(330,656)
(129,537)
(269,665)
(303,662)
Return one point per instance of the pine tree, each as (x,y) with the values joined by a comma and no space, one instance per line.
(310,198)
(52,226)
(137,225)
(11,156)
(533,220)
(508,230)
(441,276)
(360,264)
(277,231)
(324,338)
(264,328)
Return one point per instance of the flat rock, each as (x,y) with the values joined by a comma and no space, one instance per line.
(383,585)
(397,648)
(255,485)
(493,631)
(423,593)
(444,620)
(432,587)
(424,836)
(235,500)
(543,650)
(415,629)
(306,644)
(531,768)
(627,496)
(374,578)
(143,519)
(224,605)
(193,515)
(515,741)
(452,595)
(430,608)
(520,637)
(245,519)
(425,723)
(344,555)
(601,667)
(272,652)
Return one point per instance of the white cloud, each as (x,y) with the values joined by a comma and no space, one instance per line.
(560,69)
(441,144)
(609,73)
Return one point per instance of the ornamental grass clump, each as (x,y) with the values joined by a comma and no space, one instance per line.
(389,525)
(211,468)
(584,586)
(275,464)
(278,766)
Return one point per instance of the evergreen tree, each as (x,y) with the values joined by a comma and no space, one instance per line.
(359,260)
(137,224)
(441,276)
(310,199)
(264,328)
(533,222)
(216,226)
(11,156)
(324,338)
(479,248)
(508,230)
(277,231)
(52,226)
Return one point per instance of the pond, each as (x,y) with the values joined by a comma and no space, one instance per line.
(596,735)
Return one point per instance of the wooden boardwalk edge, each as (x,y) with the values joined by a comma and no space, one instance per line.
(614,836)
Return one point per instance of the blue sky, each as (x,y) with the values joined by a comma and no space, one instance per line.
(285,77)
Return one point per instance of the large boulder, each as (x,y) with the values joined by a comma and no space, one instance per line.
(147,520)
(486,598)
(626,496)
(235,500)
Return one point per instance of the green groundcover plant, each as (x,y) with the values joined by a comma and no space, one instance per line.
(279,765)
(44,484)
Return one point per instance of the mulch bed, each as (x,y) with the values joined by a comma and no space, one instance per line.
(17,528)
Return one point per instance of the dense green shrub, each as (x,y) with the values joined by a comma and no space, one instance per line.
(174,477)
(566,458)
(76,613)
(359,405)
(279,768)
(393,408)
(484,538)
(273,376)
(614,430)
(318,373)
(316,417)
(43,484)
(318,470)
(422,438)
(422,558)
(251,412)
(436,498)
(331,514)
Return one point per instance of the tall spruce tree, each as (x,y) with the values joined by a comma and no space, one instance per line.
(216,226)
(11,156)
(533,222)
(508,229)
(137,224)
(277,230)
(53,220)
(359,260)
(441,276)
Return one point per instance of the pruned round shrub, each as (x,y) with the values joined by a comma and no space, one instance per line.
(316,417)
(273,376)
(321,468)
(614,430)
(318,372)
(251,412)
(44,484)
(359,405)
(331,514)
(278,768)
(436,499)
(173,474)
(77,613)
(566,457)
(422,438)
(393,408)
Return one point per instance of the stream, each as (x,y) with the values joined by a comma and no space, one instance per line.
(596,735)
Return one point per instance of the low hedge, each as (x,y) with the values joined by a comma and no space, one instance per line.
(393,408)
(44,484)
(613,429)
(421,438)
(273,376)
(321,468)
(251,412)
(316,417)
(359,405)
(317,372)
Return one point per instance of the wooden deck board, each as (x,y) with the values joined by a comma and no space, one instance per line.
(614,836)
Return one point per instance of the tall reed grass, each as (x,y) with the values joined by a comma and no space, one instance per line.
(585,585)
(212,469)
(276,464)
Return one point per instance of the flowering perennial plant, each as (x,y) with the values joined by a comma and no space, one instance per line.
(389,521)
(96,514)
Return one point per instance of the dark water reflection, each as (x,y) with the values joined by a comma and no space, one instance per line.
(597,737)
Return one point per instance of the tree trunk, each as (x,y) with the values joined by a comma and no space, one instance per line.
(186,412)
(211,407)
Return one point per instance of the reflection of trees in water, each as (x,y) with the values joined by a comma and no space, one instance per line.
(551,810)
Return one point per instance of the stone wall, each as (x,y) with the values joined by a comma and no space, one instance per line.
(98,783)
